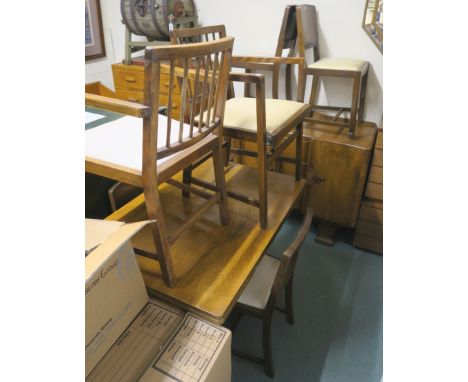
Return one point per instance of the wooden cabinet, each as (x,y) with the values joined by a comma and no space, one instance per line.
(340,165)
(129,85)
(369,230)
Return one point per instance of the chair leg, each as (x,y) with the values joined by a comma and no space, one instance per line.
(227,151)
(275,82)
(154,211)
(267,349)
(362,98)
(187,179)
(299,139)
(314,92)
(288,294)
(238,316)
(288,81)
(218,165)
(262,189)
(247,85)
(354,104)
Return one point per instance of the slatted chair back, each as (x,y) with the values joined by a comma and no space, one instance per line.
(202,70)
(183,36)
(199,34)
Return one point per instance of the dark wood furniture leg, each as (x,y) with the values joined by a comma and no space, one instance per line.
(187,179)
(267,350)
(288,296)
(220,184)
(326,233)
(354,103)
(362,97)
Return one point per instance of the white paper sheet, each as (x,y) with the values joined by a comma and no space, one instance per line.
(91,117)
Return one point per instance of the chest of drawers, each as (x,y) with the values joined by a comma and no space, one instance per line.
(129,86)
(369,229)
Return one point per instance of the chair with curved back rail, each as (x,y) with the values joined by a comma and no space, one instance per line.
(145,148)
(271,276)
(271,123)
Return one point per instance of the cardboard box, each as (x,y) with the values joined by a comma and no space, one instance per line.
(197,352)
(131,337)
(114,289)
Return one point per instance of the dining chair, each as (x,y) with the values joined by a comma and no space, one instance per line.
(305,24)
(146,149)
(271,277)
(269,122)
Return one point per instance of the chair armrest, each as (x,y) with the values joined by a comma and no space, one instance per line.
(259,62)
(116,105)
(249,78)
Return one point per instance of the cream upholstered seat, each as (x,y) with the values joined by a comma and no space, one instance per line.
(241,114)
(340,64)
(257,291)
(270,123)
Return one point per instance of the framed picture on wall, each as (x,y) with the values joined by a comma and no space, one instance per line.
(94,36)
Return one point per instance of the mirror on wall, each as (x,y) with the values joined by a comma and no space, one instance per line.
(373,22)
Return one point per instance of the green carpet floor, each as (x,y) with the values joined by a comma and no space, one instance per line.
(337,335)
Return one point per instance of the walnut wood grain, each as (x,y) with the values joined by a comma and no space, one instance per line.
(342,162)
(212,263)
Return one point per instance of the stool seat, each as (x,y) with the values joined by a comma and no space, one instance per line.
(348,64)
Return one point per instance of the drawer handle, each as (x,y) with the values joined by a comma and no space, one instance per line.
(130,79)
(132,99)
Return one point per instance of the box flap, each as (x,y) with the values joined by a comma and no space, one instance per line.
(114,241)
(97,231)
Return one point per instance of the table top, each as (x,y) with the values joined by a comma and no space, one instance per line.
(213,263)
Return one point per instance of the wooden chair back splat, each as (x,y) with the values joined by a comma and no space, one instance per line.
(169,146)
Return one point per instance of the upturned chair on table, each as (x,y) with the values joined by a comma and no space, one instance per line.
(271,123)
(270,278)
(150,149)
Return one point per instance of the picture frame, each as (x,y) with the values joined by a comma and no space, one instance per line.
(372,22)
(94,35)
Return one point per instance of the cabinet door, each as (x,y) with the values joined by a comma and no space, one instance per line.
(340,169)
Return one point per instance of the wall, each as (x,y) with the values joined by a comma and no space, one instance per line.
(114,40)
(255,25)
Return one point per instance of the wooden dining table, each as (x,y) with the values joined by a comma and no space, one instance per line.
(213,263)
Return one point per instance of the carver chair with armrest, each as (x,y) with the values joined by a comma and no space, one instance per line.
(270,278)
(150,149)
(271,123)
(303,20)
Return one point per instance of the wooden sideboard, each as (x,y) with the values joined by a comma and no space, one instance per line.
(369,229)
(129,81)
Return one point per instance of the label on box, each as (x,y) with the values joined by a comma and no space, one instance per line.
(190,352)
(131,354)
